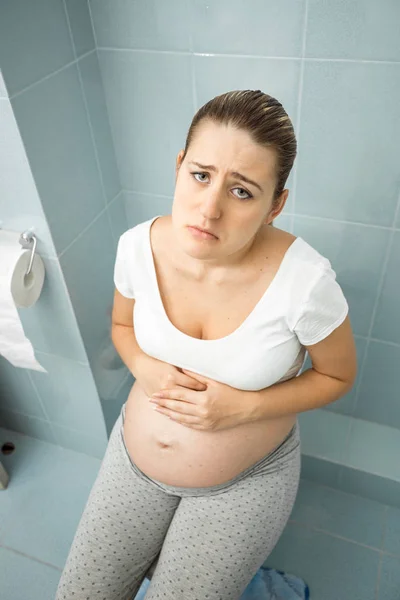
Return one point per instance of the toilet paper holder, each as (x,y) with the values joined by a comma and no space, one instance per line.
(28,241)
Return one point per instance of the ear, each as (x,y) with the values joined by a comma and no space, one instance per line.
(179,160)
(280,205)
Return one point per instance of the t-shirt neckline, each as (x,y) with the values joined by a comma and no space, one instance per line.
(265,296)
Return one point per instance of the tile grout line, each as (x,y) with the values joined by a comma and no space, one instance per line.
(378,578)
(53,73)
(190,36)
(88,119)
(92,24)
(298,113)
(335,536)
(376,303)
(19,413)
(81,233)
(30,557)
(251,56)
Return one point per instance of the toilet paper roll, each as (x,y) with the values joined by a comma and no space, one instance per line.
(17,290)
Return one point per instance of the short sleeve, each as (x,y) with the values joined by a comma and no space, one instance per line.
(122,272)
(323,311)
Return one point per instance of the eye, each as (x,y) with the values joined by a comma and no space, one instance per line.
(246,197)
(201,174)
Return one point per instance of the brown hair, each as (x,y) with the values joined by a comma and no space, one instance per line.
(263,117)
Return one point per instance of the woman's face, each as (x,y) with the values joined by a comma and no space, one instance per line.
(224,185)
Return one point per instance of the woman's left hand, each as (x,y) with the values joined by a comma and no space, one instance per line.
(218,407)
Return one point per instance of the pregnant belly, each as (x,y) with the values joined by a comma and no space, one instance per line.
(177,455)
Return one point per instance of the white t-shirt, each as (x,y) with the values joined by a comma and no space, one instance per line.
(302,305)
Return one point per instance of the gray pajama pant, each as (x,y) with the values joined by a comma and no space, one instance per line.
(209,541)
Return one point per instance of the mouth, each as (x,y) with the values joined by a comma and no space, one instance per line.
(202,233)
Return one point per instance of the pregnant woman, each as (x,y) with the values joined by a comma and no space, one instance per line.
(214,311)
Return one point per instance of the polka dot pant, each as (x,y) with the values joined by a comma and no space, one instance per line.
(210,541)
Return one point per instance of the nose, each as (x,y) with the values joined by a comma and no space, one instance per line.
(210,206)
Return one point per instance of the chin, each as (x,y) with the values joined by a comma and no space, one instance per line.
(194,248)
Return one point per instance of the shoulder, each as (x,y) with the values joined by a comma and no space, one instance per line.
(134,238)
(298,254)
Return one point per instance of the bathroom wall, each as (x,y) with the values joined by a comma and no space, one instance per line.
(62,405)
(335,66)
(67,188)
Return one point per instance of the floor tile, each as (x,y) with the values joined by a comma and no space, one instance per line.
(334,569)
(392,537)
(23,578)
(45,497)
(341,514)
(389,586)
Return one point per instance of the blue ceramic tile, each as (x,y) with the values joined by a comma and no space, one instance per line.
(344,129)
(142,207)
(261,27)
(381,457)
(149,128)
(344,515)
(61,154)
(369,486)
(17,183)
(319,470)
(118,218)
(357,255)
(46,512)
(150,24)
(333,568)
(18,574)
(88,264)
(379,391)
(389,584)
(53,307)
(34,41)
(98,116)
(324,434)
(32,426)
(69,395)
(112,405)
(391,542)
(363,29)
(80,442)
(29,459)
(81,26)
(284,222)
(387,322)
(3,89)
(17,392)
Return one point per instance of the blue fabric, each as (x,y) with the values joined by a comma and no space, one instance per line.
(267,584)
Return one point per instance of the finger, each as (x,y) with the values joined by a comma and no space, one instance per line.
(184,408)
(180,380)
(176,393)
(191,383)
(186,420)
(196,376)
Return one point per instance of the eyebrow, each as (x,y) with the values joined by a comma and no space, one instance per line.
(234,173)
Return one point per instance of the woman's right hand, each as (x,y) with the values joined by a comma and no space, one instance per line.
(154,375)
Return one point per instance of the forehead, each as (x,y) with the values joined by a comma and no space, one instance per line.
(231,149)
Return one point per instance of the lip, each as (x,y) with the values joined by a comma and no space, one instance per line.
(206,233)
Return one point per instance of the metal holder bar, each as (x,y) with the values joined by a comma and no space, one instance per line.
(28,241)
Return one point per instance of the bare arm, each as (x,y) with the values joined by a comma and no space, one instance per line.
(333,372)
(123,333)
